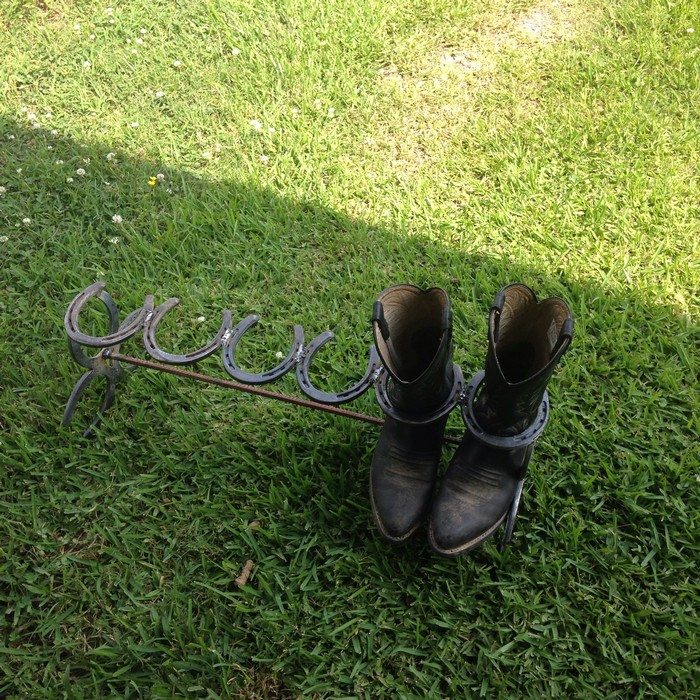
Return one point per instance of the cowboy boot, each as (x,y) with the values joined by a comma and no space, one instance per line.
(417,389)
(505,410)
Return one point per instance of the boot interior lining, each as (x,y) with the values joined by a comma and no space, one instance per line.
(415,321)
(528,333)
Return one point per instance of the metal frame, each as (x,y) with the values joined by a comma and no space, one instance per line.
(108,363)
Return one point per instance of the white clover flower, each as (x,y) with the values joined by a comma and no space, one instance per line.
(2,190)
(31,116)
(48,115)
(117,219)
(24,109)
(177,64)
(206,154)
(134,51)
(86,64)
(235,51)
(26,221)
(256,124)
(331,112)
(295,111)
(109,11)
(86,161)
(36,126)
(49,148)
(160,177)
(10,137)
(4,239)
(690,30)
(143,31)
(92,37)
(279,355)
(201,319)
(134,125)
(110,156)
(69,180)
(54,132)
(19,171)
(318,104)
(139,41)
(76,26)
(169,190)
(271,130)
(80,171)
(159,94)
(114,240)
(59,161)
(264,159)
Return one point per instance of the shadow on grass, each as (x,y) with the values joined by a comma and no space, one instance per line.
(122,551)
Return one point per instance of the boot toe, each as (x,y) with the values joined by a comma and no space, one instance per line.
(398,511)
(452,533)
(464,515)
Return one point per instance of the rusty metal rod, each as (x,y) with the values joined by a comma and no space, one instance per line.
(258,391)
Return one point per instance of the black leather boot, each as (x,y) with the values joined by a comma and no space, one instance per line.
(418,387)
(505,410)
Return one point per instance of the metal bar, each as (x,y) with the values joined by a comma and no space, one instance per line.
(251,389)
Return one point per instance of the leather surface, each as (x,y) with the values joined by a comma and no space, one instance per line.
(475,494)
(402,475)
(527,339)
(413,335)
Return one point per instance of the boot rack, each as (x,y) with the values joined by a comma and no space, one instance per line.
(108,361)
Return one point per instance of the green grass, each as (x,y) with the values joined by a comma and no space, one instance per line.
(467,146)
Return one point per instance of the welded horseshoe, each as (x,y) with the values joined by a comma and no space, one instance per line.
(370,376)
(229,355)
(149,337)
(117,334)
(99,366)
(94,361)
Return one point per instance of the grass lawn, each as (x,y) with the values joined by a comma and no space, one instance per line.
(312,154)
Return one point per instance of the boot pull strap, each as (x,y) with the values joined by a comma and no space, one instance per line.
(566,335)
(378,318)
(446,324)
(495,315)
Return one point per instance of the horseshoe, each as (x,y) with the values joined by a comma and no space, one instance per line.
(117,334)
(149,337)
(370,376)
(229,355)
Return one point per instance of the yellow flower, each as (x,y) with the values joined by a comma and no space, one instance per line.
(152,181)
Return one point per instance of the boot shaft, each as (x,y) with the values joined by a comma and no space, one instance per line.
(527,339)
(413,335)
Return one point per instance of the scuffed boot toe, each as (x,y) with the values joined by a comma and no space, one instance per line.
(453,533)
(473,500)
(398,505)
